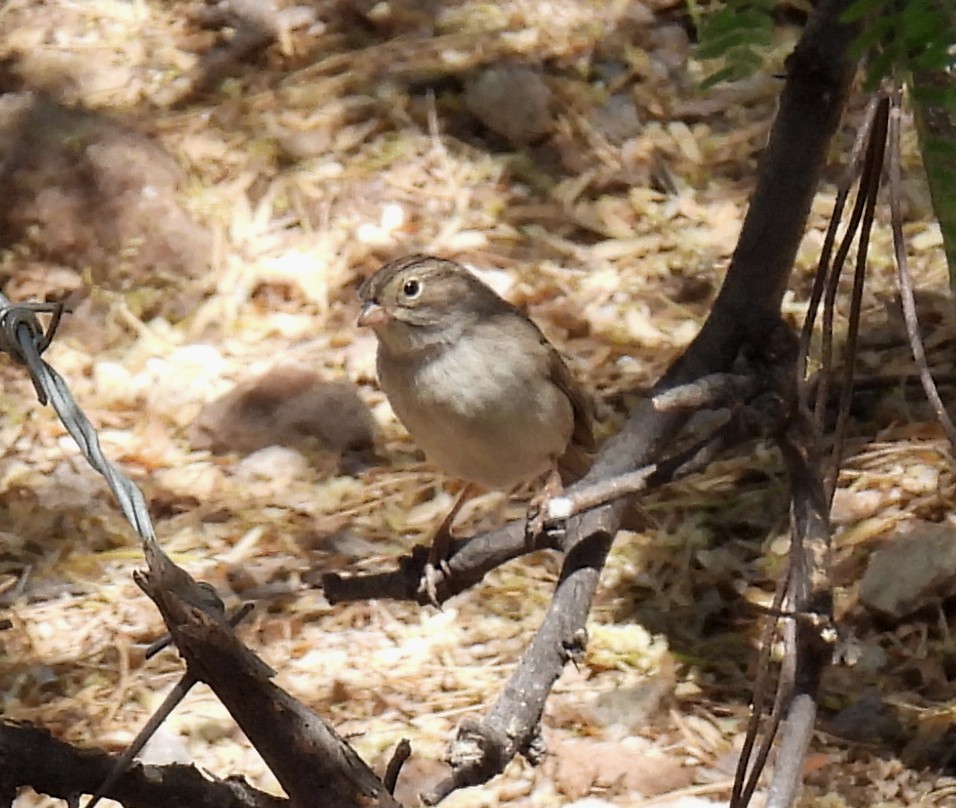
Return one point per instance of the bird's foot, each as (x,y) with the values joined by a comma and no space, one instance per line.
(538,524)
(434,572)
(541,529)
(534,525)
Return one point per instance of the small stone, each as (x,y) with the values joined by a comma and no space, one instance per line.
(290,405)
(916,568)
(513,101)
(86,191)
(617,120)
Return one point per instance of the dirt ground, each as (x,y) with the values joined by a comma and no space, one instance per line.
(209,207)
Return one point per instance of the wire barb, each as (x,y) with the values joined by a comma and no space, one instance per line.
(24,339)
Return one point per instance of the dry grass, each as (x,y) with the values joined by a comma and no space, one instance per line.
(310,169)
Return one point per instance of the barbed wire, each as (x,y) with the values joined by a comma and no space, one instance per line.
(23,337)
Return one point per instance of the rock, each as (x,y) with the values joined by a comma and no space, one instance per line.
(84,191)
(617,120)
(868,720)
(290,405)
(671,46)
(513,101)
(915,568)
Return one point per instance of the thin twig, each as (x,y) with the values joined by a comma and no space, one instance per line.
(903,273)
(745,786)
(688,461)
(829,302)
(402,752)
(808,645)
(869,189)
(714,390)
(850,175)
(173,698)
(561,508)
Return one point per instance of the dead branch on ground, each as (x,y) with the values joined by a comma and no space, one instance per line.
(30,756)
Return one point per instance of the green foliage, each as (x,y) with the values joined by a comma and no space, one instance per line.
(897,36)
(738,33)
(904,37)
(934,102)
(914,42)
(910,41)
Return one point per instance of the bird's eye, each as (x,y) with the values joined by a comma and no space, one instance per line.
(412,288)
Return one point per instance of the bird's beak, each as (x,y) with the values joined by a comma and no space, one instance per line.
(372,314)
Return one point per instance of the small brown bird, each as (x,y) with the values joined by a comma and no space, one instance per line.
(478,386)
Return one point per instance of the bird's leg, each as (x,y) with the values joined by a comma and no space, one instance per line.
(437,562)
(537,508)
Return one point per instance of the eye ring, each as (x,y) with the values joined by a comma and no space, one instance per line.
(412,288)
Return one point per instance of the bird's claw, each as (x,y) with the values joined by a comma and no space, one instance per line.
(534,526)
(432,575)
(539,527)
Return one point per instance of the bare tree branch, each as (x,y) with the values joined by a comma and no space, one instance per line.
(311,762)
(903,275)
(746,313)
(811,599)
(32,757)
(744,321)
(869,189)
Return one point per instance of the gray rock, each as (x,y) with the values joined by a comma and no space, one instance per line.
(292,406)
(915,568)
(83,190)
(617,120)
(512,101)
(869,720)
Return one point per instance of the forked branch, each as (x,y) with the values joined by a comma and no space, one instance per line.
(744,322)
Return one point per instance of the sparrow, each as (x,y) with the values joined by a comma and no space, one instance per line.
(478,386)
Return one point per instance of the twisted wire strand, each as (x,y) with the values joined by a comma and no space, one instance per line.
(23,337)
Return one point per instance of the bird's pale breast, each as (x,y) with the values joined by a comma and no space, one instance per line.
(481,409)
